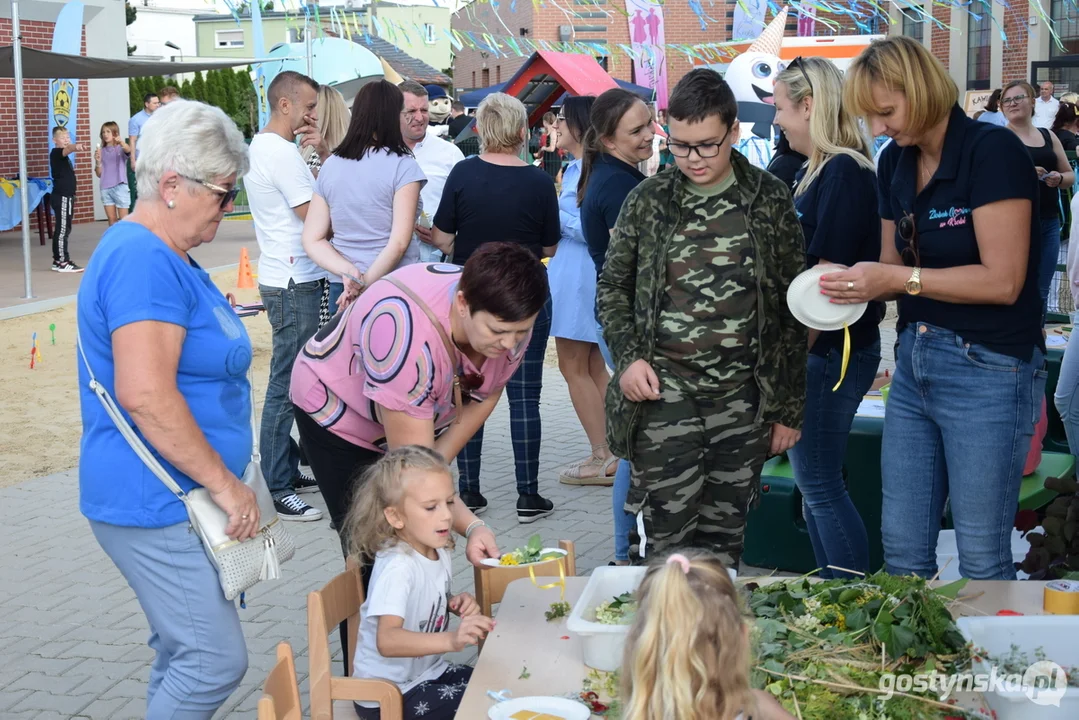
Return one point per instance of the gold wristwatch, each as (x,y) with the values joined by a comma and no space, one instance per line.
(914,285)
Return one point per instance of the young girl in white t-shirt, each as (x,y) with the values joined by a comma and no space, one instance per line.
(687,653)
(400,516)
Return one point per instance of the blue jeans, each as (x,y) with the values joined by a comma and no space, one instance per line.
(959,423)
(1047,265)
(835,528)
(201,656)
(336,290)
(523,390)
(1066,396)
(293,316)
(623,521)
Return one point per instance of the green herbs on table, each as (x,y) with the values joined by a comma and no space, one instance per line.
(558,610)
(619,611)
(524,674)
(821,648)
(1017,662)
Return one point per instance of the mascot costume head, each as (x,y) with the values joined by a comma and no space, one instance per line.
(440,104)
(751,76)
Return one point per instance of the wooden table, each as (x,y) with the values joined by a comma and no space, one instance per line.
(522,637)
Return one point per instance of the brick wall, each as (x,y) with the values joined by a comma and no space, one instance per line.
(940,38)
(38,35)
(1017,31)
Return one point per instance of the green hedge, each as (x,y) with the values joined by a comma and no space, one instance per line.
(230,90)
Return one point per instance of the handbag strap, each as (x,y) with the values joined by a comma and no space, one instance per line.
(136,443)
(442,333)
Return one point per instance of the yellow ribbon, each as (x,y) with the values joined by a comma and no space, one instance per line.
(846,356)
(561,584)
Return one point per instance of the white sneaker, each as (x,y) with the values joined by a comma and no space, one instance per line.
(291,507)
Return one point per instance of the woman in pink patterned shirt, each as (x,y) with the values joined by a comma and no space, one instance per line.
(379,375)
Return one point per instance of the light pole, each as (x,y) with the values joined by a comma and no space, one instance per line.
(174,46)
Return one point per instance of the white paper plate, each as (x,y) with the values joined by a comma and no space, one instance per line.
(815,310)
(492,562)
(559,707)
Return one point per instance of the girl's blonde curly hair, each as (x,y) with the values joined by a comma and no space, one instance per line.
(381,486)
(687,654)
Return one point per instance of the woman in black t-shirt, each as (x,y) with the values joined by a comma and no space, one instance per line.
(1053,170)
(835,195)
(960,247)
(497,196)
(1066,125)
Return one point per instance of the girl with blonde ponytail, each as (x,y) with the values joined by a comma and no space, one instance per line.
(687,654)
(836,198)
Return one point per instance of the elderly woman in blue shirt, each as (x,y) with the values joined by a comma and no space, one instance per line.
(169,348)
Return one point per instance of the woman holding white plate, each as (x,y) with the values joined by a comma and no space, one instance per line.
(835,195)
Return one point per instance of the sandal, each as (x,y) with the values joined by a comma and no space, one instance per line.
(593,470)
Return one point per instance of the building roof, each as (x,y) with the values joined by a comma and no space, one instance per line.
(406,66)
(472,98)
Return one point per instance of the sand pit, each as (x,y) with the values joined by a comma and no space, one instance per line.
(40,424)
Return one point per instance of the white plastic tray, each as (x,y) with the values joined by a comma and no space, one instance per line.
(602,644)
(1057,635)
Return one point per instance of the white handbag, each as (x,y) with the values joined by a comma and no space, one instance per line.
(240,563)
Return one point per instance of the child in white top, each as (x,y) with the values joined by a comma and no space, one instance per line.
(400,516)
(687,653)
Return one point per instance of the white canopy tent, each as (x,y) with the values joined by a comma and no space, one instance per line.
(24,63)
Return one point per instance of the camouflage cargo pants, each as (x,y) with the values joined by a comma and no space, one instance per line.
(697,464)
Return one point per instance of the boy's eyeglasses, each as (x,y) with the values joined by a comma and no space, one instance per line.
(704,150)
(227,195)
(1014,100)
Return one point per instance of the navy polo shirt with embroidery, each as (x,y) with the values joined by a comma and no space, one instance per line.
(838,212)
(980,164)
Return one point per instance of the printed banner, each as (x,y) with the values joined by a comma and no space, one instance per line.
(648,46)
(807,21)
(748,19)
(64,92)
(260,52)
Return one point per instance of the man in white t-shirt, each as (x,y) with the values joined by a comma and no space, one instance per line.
(435,156)
(279,186)
(1045,107)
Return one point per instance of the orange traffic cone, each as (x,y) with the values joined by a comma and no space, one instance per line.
(245,281)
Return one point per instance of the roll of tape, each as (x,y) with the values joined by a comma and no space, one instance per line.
(1062,597)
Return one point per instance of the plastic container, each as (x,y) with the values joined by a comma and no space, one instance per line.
(1057,635)
(603,644)
(948,552)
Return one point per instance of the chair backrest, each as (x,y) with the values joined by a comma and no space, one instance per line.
(339,601)
(281,693)
(491,582)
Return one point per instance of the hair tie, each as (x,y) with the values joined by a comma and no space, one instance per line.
(679,559)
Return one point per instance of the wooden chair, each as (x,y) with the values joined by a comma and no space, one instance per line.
(281,693)
(339,601)
(491,582)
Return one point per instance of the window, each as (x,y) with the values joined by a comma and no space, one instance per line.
(429,33)
(913,25)
(473,78)
(498,74)
(229,38)
(294,35)
(979,27)
(1065,19)
(486,77)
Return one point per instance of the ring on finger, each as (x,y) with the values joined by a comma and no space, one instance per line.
(850,284)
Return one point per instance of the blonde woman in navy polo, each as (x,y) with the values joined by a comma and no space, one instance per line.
(960,233)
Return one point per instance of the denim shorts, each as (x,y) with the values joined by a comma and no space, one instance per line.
(118,195)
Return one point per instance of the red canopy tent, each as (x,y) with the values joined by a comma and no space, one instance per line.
(546,75)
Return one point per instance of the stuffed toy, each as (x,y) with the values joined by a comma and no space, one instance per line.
(440,104)
(751,76)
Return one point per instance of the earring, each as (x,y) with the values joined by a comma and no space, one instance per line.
(170,204)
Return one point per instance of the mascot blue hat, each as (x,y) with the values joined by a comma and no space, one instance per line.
(435,91)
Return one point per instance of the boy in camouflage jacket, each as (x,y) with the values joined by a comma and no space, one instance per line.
(710,362)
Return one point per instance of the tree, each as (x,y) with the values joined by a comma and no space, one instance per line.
(131,14)
(198,88)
